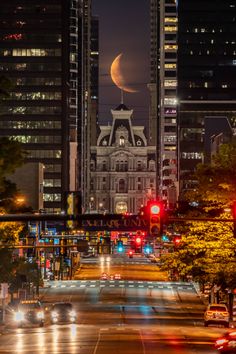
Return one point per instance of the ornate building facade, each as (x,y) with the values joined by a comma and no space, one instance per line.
(123,167)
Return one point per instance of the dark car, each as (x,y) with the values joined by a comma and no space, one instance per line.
(226,343)
(62,312)
(29,312)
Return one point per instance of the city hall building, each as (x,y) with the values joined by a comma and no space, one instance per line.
(123,168)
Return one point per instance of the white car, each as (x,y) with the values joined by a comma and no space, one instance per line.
(216,314)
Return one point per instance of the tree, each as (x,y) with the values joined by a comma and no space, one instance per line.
(207,249)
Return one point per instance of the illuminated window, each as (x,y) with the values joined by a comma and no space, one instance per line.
(30,124)
(170,139)
(27,139)
(170,66)
(170,101)
(121,141)
(170,19)
(192,155)
(170,83)
(55,197)
(36,95)
(30,110)
(170,28)
(171,47)
(32,52)
(51,154)
(52,183)
(170,111)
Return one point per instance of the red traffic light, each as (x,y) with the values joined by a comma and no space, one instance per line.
(177,240)
(138,240)
(130,252)
(155,209)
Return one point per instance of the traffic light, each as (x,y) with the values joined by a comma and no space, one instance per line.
(165,238)
(155,218)
(120,246)
(147,249)
(130,253)
(138,241)
(177,240)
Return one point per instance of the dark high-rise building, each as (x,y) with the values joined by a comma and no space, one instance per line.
(206,75)
(163,101)
(40,53)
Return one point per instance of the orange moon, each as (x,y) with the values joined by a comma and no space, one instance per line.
(117,77)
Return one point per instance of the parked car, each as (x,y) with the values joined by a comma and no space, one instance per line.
(29,312)
(63,312)
(226,343)
(216,314)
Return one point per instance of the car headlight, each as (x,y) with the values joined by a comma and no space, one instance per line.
(108,259)
(72,314)
(54,314)
(19,316)
(101,259)
(40,315)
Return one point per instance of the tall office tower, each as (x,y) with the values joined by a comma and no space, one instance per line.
(94,78)
(39,53)
(87,116)
(164,71)
(206,75)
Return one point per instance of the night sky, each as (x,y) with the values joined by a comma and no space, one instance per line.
(124,28)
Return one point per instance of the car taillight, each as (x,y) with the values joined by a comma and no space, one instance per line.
(232,334)
(225,313)
(209,313)
(221,341)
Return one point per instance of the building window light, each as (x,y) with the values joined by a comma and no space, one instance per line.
(170,66)
(170,28)
(170,101)
(171,47)
(170,83)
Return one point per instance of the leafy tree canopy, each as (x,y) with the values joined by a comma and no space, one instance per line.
(207,249)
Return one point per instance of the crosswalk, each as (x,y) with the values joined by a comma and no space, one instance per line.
(118,284)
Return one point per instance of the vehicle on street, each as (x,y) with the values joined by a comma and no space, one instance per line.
(216,314)
(105,259)
(29,312)
(226,343)
(104,276)
(62,312)
(153,258)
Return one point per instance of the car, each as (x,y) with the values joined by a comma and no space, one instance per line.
(62,312)
(216,314)
(29,312)
(104,276)
(226,343)
(153,258)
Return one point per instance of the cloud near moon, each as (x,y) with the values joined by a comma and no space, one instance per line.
(117,77)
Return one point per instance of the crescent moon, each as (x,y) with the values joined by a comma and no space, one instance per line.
(117,76)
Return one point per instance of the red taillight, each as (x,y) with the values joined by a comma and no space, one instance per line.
(225,313)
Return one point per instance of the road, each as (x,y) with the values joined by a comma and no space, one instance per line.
(128,317)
